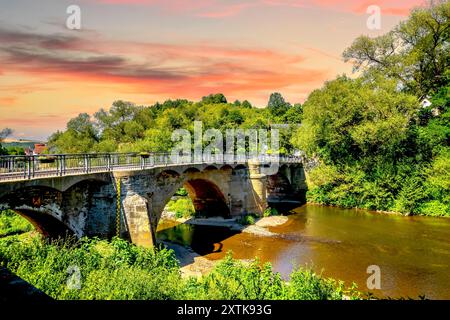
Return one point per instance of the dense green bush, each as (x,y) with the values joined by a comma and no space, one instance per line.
(248,219)
(235,280)
(116,270)
(182,207)
(270,212)
(409,189)
(120,270)
(12,223)
(182,192)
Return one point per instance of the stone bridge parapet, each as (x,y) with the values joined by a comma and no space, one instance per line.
(125,194)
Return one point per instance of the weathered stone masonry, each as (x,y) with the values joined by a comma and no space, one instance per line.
(86,205)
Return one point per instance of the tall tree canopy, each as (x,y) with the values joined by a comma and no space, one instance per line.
(376,145)
(277,105)
(214,98)
(416,52)
(126,127)
(350,119)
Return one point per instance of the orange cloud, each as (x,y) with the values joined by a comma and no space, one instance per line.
(35,121)
(7,101)
(221,9)
(173,70)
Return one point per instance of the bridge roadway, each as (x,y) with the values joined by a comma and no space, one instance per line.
(19,168)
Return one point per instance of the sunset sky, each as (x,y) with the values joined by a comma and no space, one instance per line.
(152,50)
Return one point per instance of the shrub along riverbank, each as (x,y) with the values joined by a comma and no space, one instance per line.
(11,223)
(98,269)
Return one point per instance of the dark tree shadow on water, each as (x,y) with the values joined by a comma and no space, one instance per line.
(200,239)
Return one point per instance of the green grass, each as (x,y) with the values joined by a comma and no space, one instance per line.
(120,270)
(11,223)
(182,207)
(248,219)
(271,212)
(182,192)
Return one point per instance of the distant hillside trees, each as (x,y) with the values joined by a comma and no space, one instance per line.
(126,127)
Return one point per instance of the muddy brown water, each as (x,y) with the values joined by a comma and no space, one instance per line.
(413,253)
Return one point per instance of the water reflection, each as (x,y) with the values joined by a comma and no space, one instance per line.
(202,239)
(412,252)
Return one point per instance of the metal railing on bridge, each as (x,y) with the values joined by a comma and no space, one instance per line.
(31,167)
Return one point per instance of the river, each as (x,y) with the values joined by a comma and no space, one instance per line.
(413,253)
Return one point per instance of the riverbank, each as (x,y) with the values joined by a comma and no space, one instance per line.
(260,228)
(410,251)
(360,209)
(118,270)
(193,264)
(390,213)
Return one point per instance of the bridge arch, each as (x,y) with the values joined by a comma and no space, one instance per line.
(46,224)
(168,174)
(206,193)
(42,207)
(207,198)
(282,194)
(240,167)
(240,171)
(191,170)
(226,167)
(91,180)
(278,184)
(210,168)
(53,212)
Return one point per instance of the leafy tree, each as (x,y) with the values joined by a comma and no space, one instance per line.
(130,128)
(294,114)
(349,119)
(82,125)
(377,147)
(235,117)
(416,52)
(277,105)
(80,136)
(214,99)
(246,104)
(15,151)
(112,123)
(5,133)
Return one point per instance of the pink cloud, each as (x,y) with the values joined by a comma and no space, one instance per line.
(222,9)
(228,11)
(169,5)
(395,8)
(171,70)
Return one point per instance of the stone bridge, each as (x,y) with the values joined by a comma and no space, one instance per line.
(116,194)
